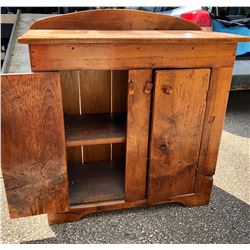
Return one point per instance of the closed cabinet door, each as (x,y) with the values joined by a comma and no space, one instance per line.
(177,123)
(33,144)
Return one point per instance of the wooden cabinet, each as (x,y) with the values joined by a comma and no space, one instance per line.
(126,118)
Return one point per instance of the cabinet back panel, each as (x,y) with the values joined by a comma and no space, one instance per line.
(119,89)
(95,93)
(89,92)
(106,19)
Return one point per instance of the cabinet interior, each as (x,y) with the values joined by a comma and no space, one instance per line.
(95,107)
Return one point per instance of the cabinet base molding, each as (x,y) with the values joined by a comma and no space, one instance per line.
(77,212)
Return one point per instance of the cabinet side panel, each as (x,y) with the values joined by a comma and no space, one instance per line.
(215,112)
(95,90)
(71,106)
(33,144)
(177,122)
(137,135)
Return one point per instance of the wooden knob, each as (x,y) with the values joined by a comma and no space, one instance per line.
(167,89)
(131,88)
(163,147)
(148,87)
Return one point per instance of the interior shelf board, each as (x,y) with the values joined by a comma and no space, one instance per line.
(96,182)
(93,129)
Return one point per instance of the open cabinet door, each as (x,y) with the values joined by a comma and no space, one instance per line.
(177,123)
(33,144)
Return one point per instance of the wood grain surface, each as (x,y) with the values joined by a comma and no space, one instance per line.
(94,129)
(137,135)
(33,144)
(71,106)
(96,182)
(127,36)
(95,92)
(177,123)
(70,92)
(76,212)
(115,20)
(215,113)
(130,56)
(119,91)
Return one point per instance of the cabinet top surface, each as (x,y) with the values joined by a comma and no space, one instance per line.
(129,36)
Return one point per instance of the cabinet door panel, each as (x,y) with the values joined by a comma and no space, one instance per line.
(33,144)
(177,122)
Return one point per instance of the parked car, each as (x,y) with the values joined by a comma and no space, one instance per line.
(234,20)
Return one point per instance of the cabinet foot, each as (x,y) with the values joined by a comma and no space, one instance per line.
(192,200)
(187,200)
(57,218)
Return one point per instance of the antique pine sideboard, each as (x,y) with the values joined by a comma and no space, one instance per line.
(123,108)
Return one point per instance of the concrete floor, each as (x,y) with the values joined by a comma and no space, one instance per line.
(224,220)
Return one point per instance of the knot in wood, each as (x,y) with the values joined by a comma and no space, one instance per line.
(167,89)
(163,147)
